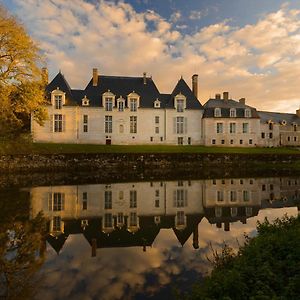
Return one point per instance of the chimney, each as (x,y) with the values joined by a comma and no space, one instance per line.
(45,75)
(298,113)
(218,96)
(95,77)
(145,78)
(225,96)
(195,85)
(242,101)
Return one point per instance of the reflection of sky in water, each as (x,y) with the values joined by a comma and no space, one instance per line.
(124,273)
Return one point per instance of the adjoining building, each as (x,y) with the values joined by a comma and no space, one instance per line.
(131,110)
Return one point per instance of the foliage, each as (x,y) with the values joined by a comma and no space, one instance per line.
(20,244)
(266,267)
(21,83)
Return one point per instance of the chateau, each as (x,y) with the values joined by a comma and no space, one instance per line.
(131,110)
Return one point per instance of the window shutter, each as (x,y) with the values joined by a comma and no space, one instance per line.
(51,123)
(50,201)
(63,123)
(185,125)
(174,125)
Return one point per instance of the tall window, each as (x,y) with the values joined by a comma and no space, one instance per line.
(57,202)
(133,219)
(180,198)
(84,200)
(108,199)
(56,224)
(120,105)
(108,124)
(179,125)
(232,196)
(58,123)
(247,113)
(217,112)
(180,218)
(156,119)
(85,123)
(219,127)
(133,104)
(232,113)
(246,196)
(58,101)
(133,199)
(232,127)
(133,124)
(108,220)
(245,127)
(180,105)
(220,196)
(108,104)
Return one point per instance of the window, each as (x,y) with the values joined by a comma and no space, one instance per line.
(58,123)
(57,203)
(231,142)
(232,127)
(84,200)
(133,104)
(151,138)
(295,139)
(222,142)
(246,196)
(108,124)
(108,104)
(85,123)
(241,181)
(133,219)
(180,198)
(270,135)
(263,135)
(218,211)
(56,224)
(108,220)
(180,218)
(58,101)
(180,140)
(156,129)
(247,113)
(179,125)
(156,203)
(270,126)
(180,105)
(232,113)
(250,142)
(295,127)
(189,140)
(120,218)
(241,142)
(108,200)
(289,138)
(233,196)
(219,127)
(263,187)
(156,193)
(233,211)
(245,127)
(133,199)
(217,112)
(156,119)
(133,124)
(161,138)
(248,211)
(220,196)
(121,105)
(213,141)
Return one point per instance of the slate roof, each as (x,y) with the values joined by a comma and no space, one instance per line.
(278,117)
(123,86)
(225,106)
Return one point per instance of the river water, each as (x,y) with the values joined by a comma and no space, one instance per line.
(145,240)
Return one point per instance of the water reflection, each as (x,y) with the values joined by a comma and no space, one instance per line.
(127,240)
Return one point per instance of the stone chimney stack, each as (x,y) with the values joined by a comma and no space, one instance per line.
(45,75)
(195,85)
(242,101)
(218,96)
(298,113)
(145,78)
(95,77)
(225,96)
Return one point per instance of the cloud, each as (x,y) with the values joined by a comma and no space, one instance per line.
(197,14)
(258,61)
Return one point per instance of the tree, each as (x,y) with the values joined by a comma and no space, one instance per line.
(21,82)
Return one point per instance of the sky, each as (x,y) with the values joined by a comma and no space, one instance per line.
(249,48)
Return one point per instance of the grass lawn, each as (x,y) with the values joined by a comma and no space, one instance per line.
(51,148)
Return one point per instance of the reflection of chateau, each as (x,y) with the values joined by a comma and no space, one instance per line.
(132,214)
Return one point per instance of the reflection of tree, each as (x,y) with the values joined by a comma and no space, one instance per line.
(21,253)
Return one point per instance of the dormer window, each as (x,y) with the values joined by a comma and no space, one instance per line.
(108,100)
(133,101)
(121,104)
(157,103)
(57,98)
(247,113)
(232,113)
(217,112)
(85,101)
(180,102)
(108,104)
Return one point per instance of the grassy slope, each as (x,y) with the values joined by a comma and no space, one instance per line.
(24,148)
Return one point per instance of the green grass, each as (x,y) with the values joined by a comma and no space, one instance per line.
(17,147)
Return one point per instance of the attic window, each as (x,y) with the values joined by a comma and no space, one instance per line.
(217,112)
(85,101)
(58,101)
(232,113)
(247,113)
(157,103)
(58,98)
(283,122)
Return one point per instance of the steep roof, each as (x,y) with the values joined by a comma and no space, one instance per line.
(225,106)
(278,117)
(182,88)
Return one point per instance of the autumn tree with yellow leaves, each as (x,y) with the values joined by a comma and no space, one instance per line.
(21,81)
